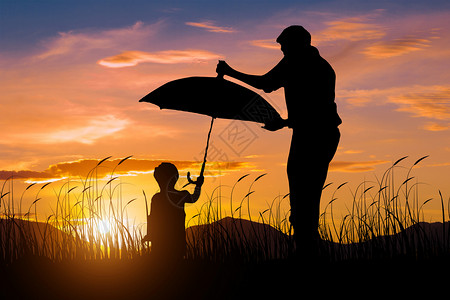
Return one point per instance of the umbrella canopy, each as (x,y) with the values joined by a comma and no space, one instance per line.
(212,96)
(215,97)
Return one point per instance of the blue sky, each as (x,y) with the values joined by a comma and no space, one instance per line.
(25,22)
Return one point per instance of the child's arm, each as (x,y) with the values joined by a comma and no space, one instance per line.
(198,188)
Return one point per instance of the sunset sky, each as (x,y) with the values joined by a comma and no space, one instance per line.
(72,73)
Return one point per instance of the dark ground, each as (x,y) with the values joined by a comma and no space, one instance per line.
(145,278)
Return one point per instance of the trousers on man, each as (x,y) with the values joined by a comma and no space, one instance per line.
(309,157)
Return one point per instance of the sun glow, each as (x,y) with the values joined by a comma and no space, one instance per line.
(97,230)
(107,232)
(104,226)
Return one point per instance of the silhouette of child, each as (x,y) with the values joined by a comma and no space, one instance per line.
(165,224)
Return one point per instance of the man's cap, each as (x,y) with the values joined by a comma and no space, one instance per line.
(295,34)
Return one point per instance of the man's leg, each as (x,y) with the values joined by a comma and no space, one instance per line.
(307,169)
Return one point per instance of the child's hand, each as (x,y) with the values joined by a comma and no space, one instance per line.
(200,180)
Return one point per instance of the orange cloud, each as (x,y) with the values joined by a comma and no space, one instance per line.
(131,166)
(355,166)
(352,151)
(436,127)
(350,29)
(23,174)
(79,130)
(209,26)
(359,102)
(132,58)
(88,134)
(396,47)
(430,102)
(268,44)
(361,98)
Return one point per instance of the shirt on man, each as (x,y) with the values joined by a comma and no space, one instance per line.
(309,84)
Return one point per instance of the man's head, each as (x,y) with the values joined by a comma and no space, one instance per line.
(166,174)
(294,38)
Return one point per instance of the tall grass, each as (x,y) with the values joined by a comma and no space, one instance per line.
(384,220)
(238,237)
(82,207)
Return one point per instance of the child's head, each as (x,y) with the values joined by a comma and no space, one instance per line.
(166,174)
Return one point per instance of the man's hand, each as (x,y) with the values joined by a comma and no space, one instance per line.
(223,68)
(274,125)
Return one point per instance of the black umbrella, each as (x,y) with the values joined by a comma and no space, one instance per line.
(215,97)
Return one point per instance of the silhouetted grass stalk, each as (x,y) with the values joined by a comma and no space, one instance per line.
(374,226)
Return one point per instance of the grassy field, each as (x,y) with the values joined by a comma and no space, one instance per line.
(66,254)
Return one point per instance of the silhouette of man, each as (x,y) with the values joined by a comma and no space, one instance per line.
(309,87)
(165,226)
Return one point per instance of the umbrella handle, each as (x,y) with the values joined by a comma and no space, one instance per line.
(189,179)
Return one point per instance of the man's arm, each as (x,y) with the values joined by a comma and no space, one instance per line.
(262,82)
(268,82)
